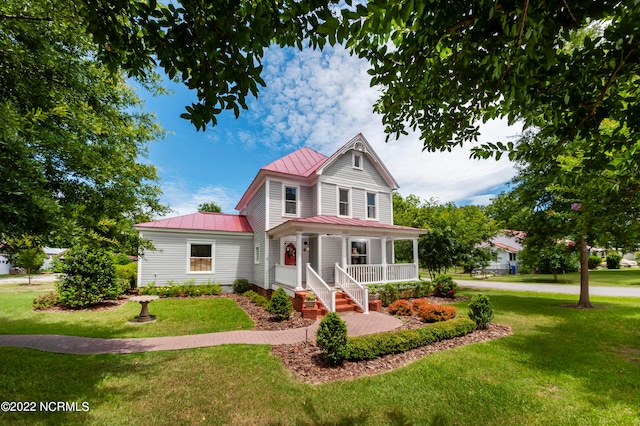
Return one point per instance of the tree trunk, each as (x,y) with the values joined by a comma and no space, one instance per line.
(584,301)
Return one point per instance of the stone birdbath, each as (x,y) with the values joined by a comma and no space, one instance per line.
(144,313)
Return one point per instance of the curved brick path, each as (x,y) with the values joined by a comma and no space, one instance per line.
(357,325)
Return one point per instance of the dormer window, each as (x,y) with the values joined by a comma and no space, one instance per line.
(357,160)
(291,200)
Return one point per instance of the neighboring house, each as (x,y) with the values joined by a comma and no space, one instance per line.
(507,244)
(5,265)
(51,253)
(307,221)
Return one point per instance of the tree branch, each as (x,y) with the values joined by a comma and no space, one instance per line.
(25,18)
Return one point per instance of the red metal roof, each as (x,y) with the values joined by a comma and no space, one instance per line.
(505,247)
(346,221)
(202,221)
(302,162)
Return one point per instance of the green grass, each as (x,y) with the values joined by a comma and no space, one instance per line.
(174,316)
(562,366)
(602,277)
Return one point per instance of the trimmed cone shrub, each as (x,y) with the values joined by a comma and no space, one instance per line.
(444,286)
(400,307)
(241,286)
(594,261)
(481,310)
(281,305)
(613,260)
(332,338)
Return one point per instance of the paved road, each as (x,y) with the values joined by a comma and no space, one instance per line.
(552,288)
(24,279)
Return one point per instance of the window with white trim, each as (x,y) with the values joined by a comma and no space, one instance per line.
(256,255)
(291,200)
(200,257)
(358,252)
(357,161)
(372,211)
(343,202)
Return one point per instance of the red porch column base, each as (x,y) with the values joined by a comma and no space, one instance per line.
(375,305)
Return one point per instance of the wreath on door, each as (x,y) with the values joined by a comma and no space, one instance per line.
(290,250)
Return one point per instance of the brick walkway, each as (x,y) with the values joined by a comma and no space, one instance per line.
(357,325)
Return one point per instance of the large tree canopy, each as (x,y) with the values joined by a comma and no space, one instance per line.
(71,133)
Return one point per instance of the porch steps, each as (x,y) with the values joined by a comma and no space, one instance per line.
(343,304)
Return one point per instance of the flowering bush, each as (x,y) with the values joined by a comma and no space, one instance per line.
(430,312)
(400,307)
(444,286)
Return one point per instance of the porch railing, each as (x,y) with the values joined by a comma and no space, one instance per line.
(286,275)
(324,293)
(402,272)
(365,273)
(356,291)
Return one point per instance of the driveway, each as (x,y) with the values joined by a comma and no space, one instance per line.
(552,288)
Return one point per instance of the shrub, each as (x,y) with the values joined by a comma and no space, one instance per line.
(187,289)
(431,312)
(89,276)
(45,301)
(332,338)
(388,294)
(613,260)
(121,259)
(241,286)
(258,299)
(376,345)
(594,261)
(127,275)
(400,307)
(281,305)
(481,310)
(444,286)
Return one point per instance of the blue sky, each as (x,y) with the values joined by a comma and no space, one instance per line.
(316,99)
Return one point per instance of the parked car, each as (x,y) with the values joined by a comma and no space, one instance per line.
(626,263)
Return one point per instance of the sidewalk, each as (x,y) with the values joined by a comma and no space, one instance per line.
(357,325)
(552,288)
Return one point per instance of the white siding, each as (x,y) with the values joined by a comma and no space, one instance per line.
(331,254)
(329,203)
(359,208)
(385,213)
(255,212)
(233,258)
(342,172)
(275,204)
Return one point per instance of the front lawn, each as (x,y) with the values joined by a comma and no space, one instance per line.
(561,366)
(601,277)
(174,316)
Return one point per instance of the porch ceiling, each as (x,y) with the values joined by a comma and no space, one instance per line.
(340,225)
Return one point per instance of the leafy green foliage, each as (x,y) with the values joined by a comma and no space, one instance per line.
(209,207)
(258,299)
(281,305)
(121,259)
(594,261)
(89,277)
(332,338)
(45,301)
(26,253)
(184,290)
(552,258)
(127,275)
(376,345)
(388,294)
(73,134)
(444,286)
(481,310)
(241,285)
(613,260)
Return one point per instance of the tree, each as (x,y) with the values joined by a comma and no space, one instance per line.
(27,253)
(209,207)
(72,134)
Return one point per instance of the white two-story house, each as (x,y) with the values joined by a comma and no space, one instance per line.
(307,221)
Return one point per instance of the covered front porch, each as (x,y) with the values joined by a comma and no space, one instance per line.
(324,253)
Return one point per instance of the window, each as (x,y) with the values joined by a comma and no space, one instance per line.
(512,257)
(343,202)
(371,206)
(256,255)
(200,257)
(358,252)
(290,200)
(357,161)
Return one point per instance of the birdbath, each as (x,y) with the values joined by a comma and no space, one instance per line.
(144,313)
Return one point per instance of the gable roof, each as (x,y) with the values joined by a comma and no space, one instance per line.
(302,162)
(201,221)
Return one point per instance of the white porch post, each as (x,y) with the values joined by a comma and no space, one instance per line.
(298,260)
(383,244)
(343,239)
(415,257)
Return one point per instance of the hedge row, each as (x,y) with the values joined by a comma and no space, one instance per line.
(189,290)
(257,299)
(376,345)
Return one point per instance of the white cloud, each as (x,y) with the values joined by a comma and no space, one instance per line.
(184,200)
(322,99)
